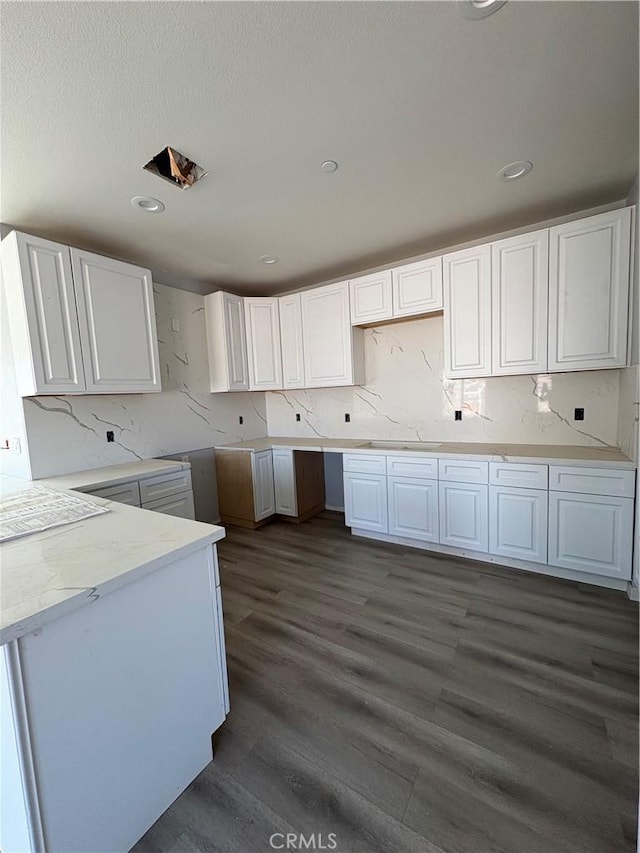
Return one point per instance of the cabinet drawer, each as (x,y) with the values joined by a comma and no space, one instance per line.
(463,471)
(364,463)
(592,481)
(412,466)
(123,493)
(519,476)
(180,505)
(165,485)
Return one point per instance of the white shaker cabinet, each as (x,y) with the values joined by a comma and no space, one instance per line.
(467,312)
(263,491)
(371,298)
(226,342)
(518,523)
(365,501)
(519,290)
(464,515)
(80,323)
(291,338)
(117,324)
(284,481)
(417,287)
(589,292)
(333,350)
(413,508)
(263,343)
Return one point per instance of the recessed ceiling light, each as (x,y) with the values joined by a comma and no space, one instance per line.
(269,259)
(474,10)
(329,166)
(146,202)
(515,170)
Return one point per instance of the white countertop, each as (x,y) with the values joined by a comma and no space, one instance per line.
(552,454)
(94,478)
(48,574)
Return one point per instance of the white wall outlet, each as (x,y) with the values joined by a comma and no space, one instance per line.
(175,325)
(15,446)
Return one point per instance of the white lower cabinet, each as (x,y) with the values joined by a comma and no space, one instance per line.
(263,491)
(464,516)
(591,533)
(518,523)
(413,508)
(284,482)
(365,501)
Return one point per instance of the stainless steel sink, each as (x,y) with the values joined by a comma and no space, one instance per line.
(401,445)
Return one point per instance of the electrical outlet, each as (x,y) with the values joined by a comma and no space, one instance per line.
(578,414)
(175,325)
(457,414)
(15,446)
(110,435)
(240,420)
(347,418)
(297,416)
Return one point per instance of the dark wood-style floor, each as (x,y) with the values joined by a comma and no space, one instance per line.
(409,702)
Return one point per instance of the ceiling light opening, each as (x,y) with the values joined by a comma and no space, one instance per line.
(474,10)
(269,259)
(514,171)
(329,166)
(176,168)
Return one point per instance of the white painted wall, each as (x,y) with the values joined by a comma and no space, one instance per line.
(69,433)
(406,397)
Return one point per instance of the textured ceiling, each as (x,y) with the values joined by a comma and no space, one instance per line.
(419,106)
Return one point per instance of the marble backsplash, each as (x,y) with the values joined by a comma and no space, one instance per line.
(406,397)
(629,411)
(69,433)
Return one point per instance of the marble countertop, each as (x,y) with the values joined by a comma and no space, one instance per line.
(553,454)
(48,574)
(111,475)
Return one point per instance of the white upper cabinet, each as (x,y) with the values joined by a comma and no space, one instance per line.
(371,298)
(589,292)
(226,342)
(417,288)
(519,291)
(41,307)
(117,325)
(263,343)
(467,306)
(80,323)
(291,341)
(333,351)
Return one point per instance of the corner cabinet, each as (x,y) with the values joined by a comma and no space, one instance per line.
(226,342)
(263,343)
(589,292)
(467,312)
(333,350)
(80,323)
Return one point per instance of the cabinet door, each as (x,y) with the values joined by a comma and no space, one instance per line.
(328,345)
(291,341)
(41,307)
(236,342)
(417,288)
(413,508)
(464,516)
(590,533)
(117,325)
(467,312)
(589,292)
(263,493)
(519,297)
(365,501)
(263,343)
(370,297)
(518,523)
(284,481)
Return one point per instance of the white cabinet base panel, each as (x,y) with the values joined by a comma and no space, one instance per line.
(539,568)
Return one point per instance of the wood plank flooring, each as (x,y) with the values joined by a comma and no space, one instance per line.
(410,702)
